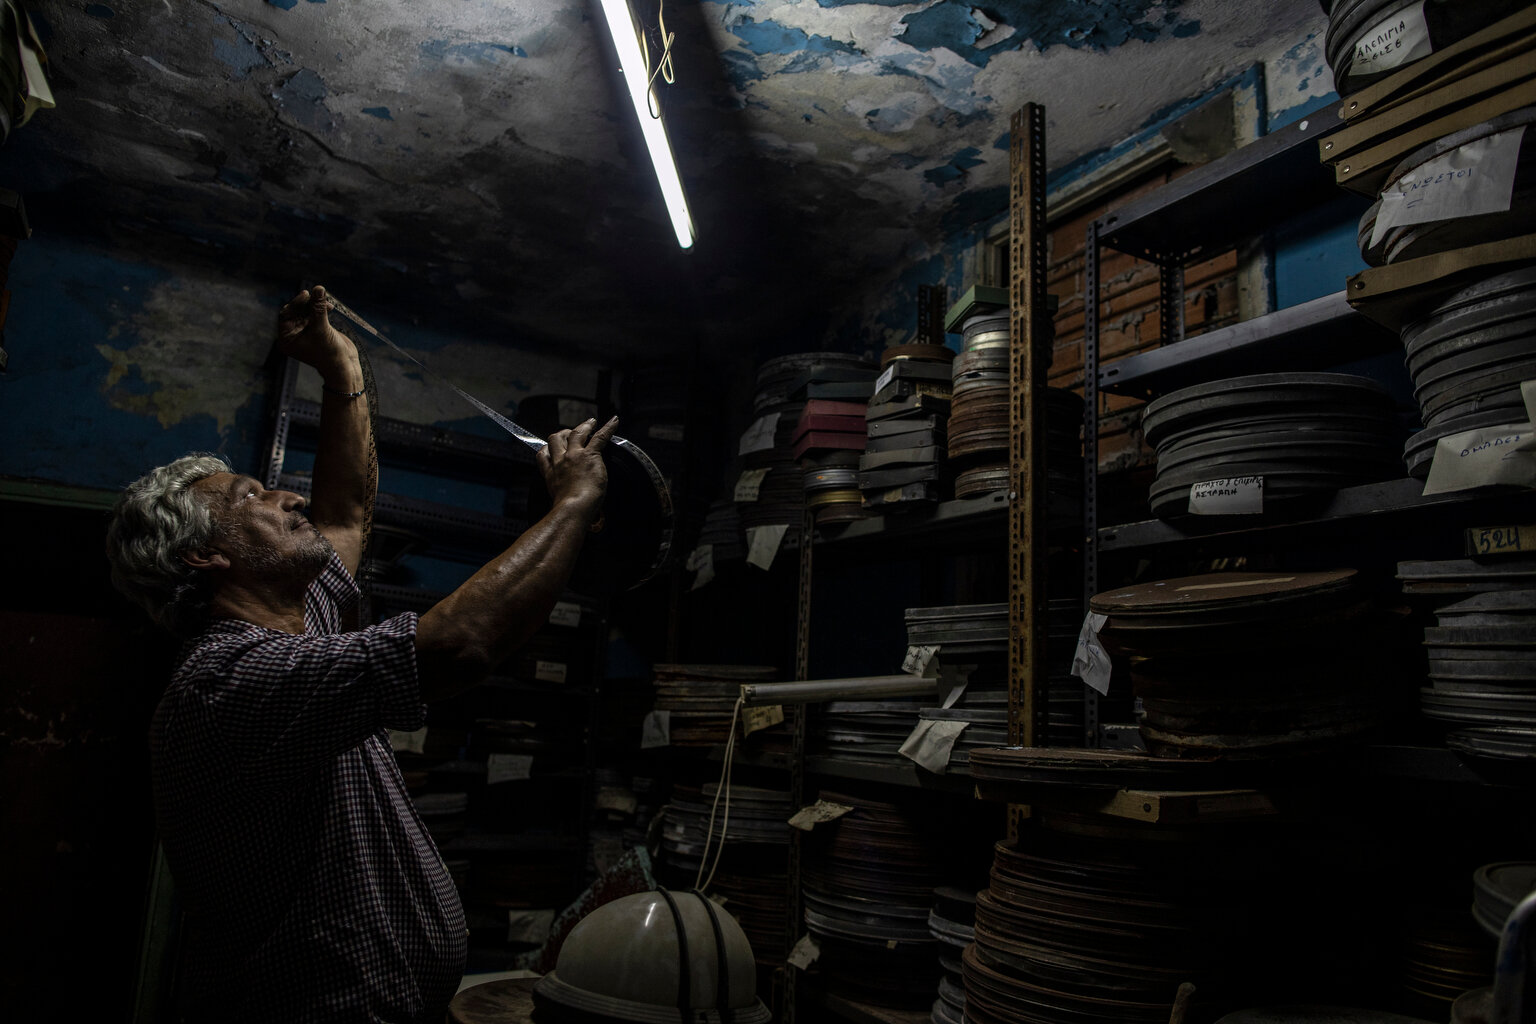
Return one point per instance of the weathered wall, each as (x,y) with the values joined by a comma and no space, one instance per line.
(117,365)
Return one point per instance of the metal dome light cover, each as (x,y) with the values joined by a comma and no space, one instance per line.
(655,958)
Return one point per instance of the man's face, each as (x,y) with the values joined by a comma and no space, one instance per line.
(263,533)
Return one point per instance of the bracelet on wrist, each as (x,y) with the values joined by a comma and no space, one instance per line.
(341,394)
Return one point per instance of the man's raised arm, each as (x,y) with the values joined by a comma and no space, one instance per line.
(345,478)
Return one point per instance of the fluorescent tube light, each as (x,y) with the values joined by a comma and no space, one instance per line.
(621,25)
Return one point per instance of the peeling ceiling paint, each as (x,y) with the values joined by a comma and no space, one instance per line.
(474,163)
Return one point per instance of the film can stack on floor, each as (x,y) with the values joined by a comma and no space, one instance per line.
(868,882)
(903,464)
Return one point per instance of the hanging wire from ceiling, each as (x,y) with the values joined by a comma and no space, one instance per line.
(664,69)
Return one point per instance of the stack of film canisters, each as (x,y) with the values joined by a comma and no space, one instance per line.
(827,442)
(1425,166)
(781,494)
(1368,40)
(903,464)
(1468,357)
(1303,435)
(1481,652)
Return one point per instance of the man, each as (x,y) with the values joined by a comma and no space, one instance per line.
(313,891)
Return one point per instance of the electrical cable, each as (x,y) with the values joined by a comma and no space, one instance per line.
(663,65)
(700,882)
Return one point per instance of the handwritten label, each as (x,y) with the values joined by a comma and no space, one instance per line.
(656,730)
(1233,496)
(919,658)
(763,544)
(701,562)
(507,767)
(565,613)
(613,798)
(1501,540)
(753,719)
(1090,662)
(1392,43)
(408,742)
(804,954)
(749,483)
(818,813)
(1473,179)
(888,375)
(549,671)
(931,743)
(1483,458)
(759,436)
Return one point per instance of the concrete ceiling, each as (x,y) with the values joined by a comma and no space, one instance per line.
(475,161)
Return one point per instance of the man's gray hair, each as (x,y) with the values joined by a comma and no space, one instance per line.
(158,519)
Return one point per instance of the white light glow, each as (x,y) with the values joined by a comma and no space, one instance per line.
(621,26)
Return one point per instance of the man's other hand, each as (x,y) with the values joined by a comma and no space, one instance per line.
(573,469)
(304,331)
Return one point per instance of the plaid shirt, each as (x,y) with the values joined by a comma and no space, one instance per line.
(314,893)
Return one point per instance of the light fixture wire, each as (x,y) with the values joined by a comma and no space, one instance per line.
(700,882)
(664,67)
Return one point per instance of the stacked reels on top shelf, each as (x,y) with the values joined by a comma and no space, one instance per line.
(780,496)
(903,465)
(980,437)
(1369,39)
(868,884)
(1482,654)
(1392,229)
(1269,441)
(1468,357)
(1250,664)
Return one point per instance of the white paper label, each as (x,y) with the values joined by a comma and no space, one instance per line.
(931,742)
(565,613)
(919,658)
(612,798)
(530,927)
(656,730)
(1392,42)
(1090,662)
(549,671)
(507,767)
(1233,496)
(820,812)
(955,693)
(1528,396)
(763,544)
(409,742)
(886,376)
(804,954)
(753,719)
(1484,457)
(701,562)
(1473,179)
(759,436)
(749,483)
